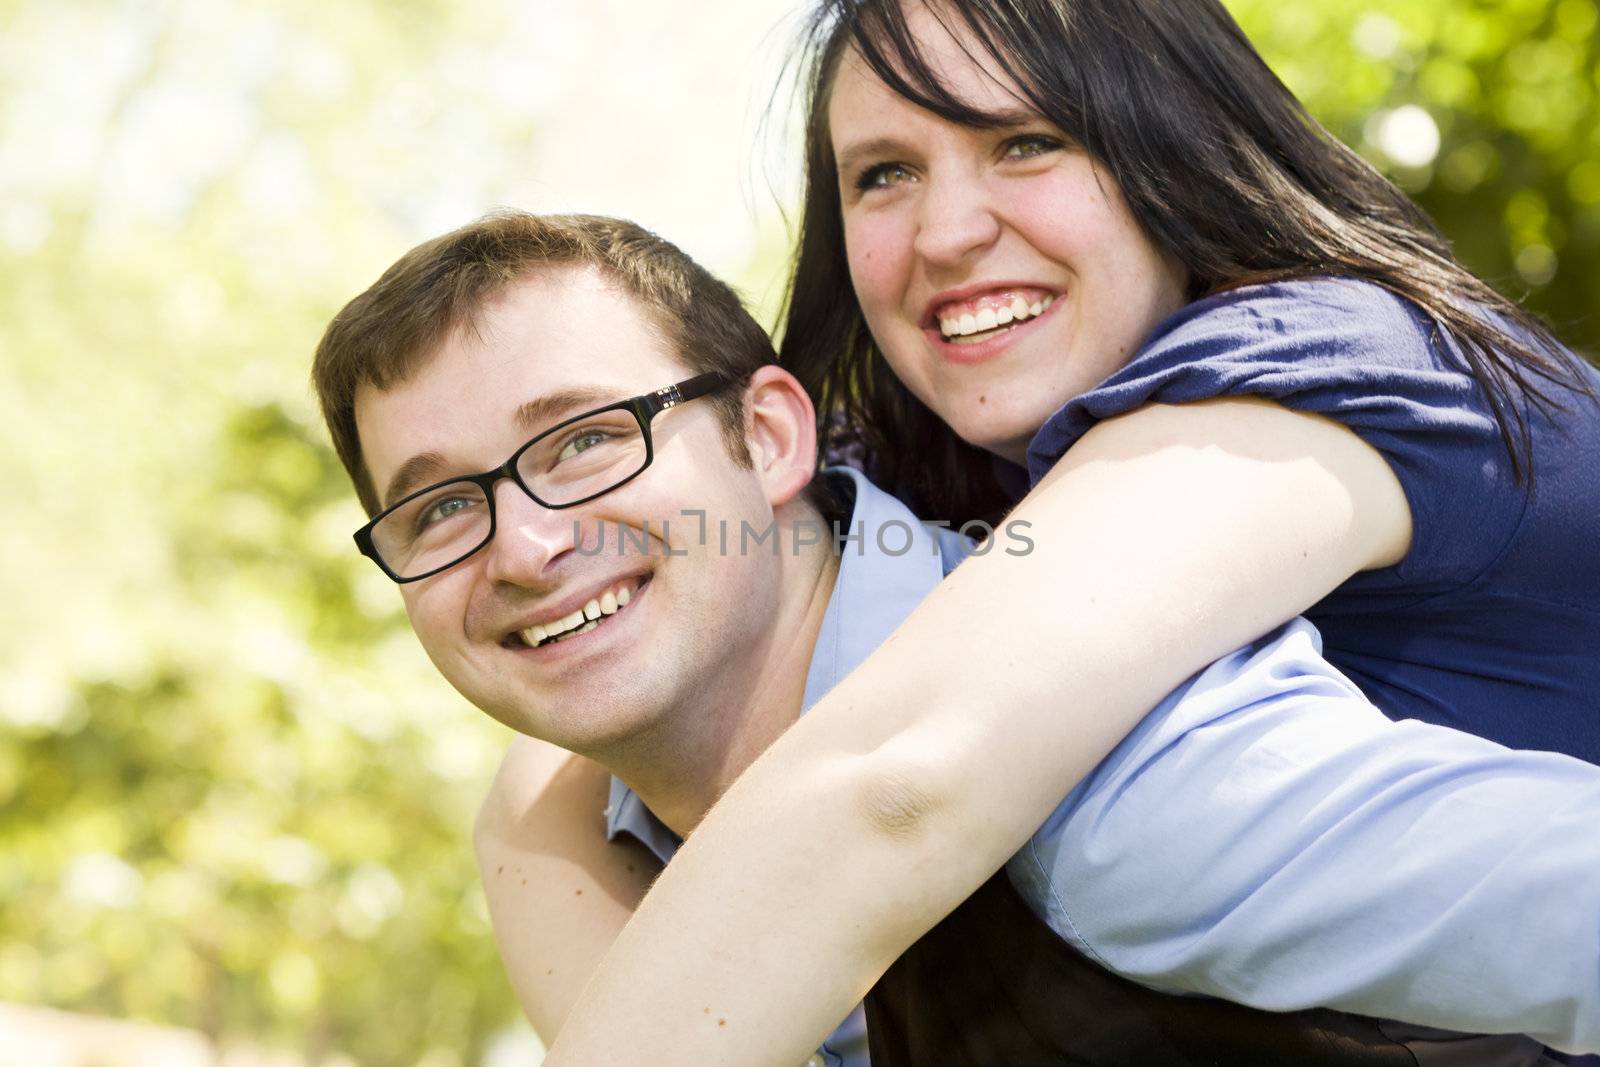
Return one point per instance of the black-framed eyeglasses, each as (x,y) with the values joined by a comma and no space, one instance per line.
(571,463)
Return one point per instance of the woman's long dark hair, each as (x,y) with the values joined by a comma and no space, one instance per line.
(1218,162)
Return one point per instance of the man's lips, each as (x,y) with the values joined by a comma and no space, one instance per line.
(573,610)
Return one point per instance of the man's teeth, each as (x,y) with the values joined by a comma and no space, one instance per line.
(585,628)
(581,621)
(989,318)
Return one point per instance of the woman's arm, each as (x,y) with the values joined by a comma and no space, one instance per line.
(1163,540)
(559,893)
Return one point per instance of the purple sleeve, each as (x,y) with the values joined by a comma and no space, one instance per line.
(1355,353)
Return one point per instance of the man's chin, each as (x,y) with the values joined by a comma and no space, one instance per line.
(591,724)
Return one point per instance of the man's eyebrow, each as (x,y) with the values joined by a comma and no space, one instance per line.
(418,470)
(540,413)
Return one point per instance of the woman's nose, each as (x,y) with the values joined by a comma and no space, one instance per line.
(955,220)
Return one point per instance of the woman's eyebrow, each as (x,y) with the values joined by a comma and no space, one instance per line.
(856,152)
(1016,118)
(872,148)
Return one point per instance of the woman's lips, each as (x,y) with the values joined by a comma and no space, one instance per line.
(990,312)
(951,304)
(981,345)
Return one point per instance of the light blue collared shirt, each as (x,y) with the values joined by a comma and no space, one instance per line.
(1267,836)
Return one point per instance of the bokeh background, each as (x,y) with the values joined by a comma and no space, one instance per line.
(235,800)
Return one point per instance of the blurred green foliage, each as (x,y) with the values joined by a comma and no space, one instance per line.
(1512,89)
(233,794)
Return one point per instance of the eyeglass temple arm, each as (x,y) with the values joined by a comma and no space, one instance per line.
(673,395)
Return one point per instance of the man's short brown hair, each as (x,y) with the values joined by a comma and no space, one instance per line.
(384,335)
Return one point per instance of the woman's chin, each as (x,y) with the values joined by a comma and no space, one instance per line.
(1004,441)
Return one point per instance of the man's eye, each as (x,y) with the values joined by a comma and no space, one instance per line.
(581,443)
(1030,145)
(882,176)
(440,510)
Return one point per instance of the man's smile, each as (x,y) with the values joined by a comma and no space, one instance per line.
(584,617)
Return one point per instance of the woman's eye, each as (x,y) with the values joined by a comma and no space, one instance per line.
(580,443)
(882,176)
(1030,145)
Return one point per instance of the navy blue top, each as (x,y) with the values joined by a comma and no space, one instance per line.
(1491,623)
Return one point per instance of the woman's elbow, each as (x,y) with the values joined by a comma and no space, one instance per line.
(901,803)
(924,801)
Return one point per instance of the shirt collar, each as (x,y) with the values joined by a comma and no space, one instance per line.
(887,564)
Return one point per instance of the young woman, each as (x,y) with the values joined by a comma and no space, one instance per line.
(1248,380)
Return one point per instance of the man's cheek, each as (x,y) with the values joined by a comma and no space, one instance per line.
(437,605)
(444,641)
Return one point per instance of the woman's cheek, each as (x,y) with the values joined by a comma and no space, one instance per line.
(876,263)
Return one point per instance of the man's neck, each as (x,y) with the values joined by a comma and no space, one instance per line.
(679,780)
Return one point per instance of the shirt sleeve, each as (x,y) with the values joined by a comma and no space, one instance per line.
(1266,835)
(1355,353)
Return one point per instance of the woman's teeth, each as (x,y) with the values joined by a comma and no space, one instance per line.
(580,621)
(992,318)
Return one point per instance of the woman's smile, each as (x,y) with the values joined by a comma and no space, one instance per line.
(978,330)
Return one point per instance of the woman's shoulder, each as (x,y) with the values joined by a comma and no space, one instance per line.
(1341,347)
(1325,293)
(1319,321)
(1348,351)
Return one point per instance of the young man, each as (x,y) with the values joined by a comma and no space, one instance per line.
(596,491)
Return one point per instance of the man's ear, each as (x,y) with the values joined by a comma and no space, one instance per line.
(781,432)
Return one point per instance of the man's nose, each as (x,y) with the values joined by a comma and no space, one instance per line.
(528,537)
(955,218)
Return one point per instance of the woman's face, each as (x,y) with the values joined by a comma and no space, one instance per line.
(999,270)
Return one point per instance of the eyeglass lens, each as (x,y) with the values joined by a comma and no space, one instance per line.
(451,521)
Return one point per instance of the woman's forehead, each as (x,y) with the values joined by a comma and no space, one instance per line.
(950,67)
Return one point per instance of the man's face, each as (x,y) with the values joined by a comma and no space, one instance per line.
(690,621)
